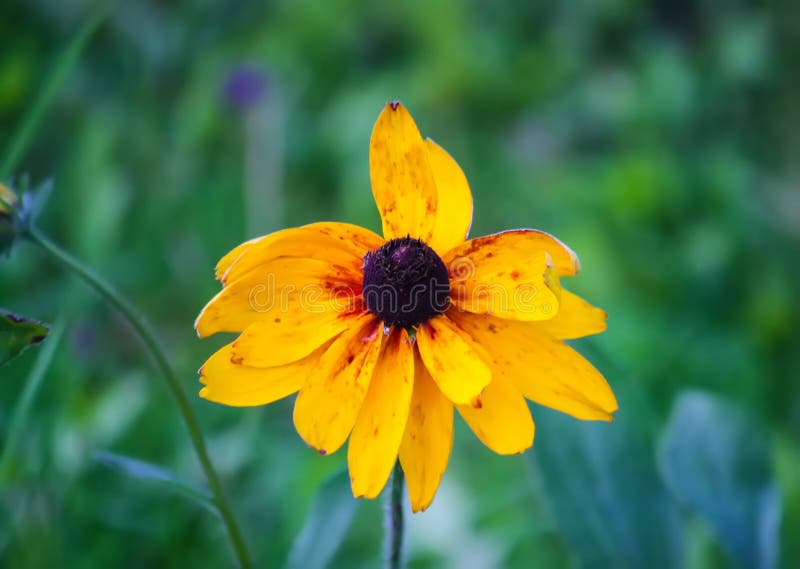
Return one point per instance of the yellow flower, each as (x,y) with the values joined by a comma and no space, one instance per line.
(384,337)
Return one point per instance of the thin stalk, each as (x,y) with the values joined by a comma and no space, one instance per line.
(394,520)
(150,341)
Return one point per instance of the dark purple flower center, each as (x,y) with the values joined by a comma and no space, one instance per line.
(405,283)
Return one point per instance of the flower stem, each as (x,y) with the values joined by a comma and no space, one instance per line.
(394,520)
(150,340)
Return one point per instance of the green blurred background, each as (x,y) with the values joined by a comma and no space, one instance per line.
(660,140)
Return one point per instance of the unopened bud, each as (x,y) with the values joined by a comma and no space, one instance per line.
(8,229)
(8,199)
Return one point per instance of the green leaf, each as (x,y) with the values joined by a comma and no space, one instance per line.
(326,525)
(18,333)
(22,407)
(150,472)
(605,493)
(716,460)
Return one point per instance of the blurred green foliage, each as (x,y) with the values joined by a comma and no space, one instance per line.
(661,140)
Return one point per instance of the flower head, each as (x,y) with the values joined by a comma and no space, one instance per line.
(384,337)
(8,202)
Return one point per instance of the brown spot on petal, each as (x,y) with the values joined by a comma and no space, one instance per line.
(394,104)
(237,360)
(322,451)
(431,331)
(515,275)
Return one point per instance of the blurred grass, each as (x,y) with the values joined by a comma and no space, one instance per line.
(33,117)
(660,141)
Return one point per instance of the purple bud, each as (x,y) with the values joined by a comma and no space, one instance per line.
(245,86)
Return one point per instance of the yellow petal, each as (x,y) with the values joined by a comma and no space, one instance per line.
(328,404)
(454,200)
(544,369)
(454,361)
(575,318)
(290,336)
(401,175)
(231,256)
(500,281)
(242,386)
(428,439)
(372,450)
(279,286)
(338,243)
(516,246)
(502,420)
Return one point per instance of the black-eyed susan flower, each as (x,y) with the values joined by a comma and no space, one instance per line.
(383,337)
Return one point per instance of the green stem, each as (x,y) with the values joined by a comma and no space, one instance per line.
(394,520)
(150,340)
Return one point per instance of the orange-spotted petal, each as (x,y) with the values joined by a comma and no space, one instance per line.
(454,361)
(242,386)
(275,289)
(544,369)
(401,175)
(328,404)
(339,244)
(496,281)
(375,440)
(290,336)
(515,246)
(454,200)
(502,420)
(428,439)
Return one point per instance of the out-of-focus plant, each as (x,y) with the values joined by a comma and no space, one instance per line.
(18,220)
(28,229)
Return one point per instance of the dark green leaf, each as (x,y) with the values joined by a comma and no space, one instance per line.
(23,405)
(605,493)
(17,333)
(326,525)
(716,460)
(152,473)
